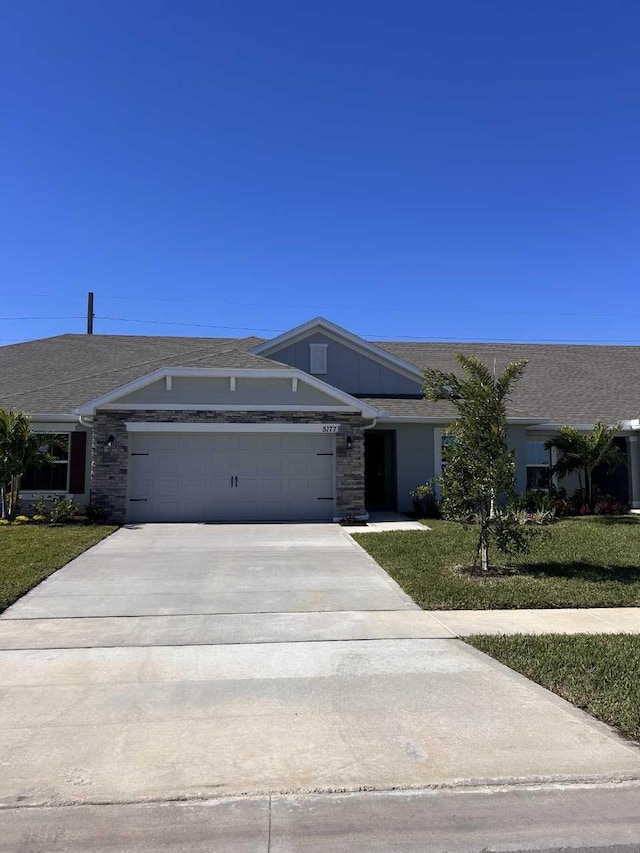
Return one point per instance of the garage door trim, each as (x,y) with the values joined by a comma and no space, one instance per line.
(172,426)
(330,435)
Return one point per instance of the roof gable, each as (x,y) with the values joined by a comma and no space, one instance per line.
(280,389)
(343,336)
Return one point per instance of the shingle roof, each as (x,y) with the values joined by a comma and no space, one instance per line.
(55,375)
(562,384)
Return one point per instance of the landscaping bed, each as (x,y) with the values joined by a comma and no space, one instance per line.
(599,673)
(580,562)
(31,552)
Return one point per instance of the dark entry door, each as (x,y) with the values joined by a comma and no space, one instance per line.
(615,483)
(380,470)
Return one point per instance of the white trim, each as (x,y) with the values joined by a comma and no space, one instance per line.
(321,352)
(232,383)
(168,382)
(54,426)
(349,402)
(63,416)
(32,495)
(438,419)
(221,407)
(160,426)
(341,334)
(294,385)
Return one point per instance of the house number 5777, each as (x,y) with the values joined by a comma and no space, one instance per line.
(330,428)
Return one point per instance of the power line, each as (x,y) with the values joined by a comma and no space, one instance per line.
(385,336)
(193,325)
(41,318)
(342,307)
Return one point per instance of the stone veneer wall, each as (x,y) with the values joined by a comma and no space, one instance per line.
(109,466)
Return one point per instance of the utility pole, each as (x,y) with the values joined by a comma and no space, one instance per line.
(90,314)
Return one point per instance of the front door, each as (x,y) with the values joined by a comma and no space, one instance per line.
(380,470)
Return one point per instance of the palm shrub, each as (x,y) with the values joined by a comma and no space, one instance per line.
(584,453)
(20,450)
(479,474)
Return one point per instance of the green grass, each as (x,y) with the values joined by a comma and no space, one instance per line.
(598,673)
(30,553)
(584,562)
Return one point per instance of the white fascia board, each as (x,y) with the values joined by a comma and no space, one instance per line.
(546,426)
(65,416)
(172,426)
(40,425)
(220,407)
(346,400)
(433,419)
(340,334)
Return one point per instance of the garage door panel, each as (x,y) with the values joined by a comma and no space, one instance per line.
(192,476)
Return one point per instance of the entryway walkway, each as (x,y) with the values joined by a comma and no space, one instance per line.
(588,620)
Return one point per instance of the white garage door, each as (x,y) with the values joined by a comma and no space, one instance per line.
(230,476)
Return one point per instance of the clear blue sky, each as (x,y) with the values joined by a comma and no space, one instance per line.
(462,169)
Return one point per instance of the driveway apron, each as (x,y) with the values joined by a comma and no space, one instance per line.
(197,661)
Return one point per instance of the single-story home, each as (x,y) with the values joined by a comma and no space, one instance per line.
(316,423)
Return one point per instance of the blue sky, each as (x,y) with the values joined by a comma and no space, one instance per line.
(441,170)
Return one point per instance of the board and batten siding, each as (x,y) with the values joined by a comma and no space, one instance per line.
(188,390)
(351,371)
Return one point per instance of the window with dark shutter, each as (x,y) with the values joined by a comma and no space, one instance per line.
(77,462)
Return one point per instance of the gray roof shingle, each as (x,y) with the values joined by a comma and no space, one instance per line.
(56,375)
(562,384)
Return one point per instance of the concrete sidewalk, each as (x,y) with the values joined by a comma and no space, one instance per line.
(528,819)
(593,620)
(196,661)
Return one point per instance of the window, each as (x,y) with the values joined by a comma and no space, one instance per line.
(538,466)
(51,478)
(318,358)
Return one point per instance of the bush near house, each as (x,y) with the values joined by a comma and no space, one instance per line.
(578,562)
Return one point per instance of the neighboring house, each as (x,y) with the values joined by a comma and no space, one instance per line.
(314,424)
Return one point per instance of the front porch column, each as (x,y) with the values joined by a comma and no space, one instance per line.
(633,461)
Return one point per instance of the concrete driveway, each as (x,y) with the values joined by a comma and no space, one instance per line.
(197,661)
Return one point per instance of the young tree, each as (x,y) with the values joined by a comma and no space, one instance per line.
(20,450)
(479,469)
(584,452)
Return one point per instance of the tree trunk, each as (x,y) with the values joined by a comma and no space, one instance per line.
(483,547)
(588,476)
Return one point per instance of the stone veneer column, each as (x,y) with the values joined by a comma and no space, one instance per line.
(110,465)
(350,472)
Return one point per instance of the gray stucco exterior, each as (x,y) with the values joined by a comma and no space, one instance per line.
(414,460)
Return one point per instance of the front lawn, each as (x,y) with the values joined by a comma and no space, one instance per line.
(599,673)
(29,553)
(582,562)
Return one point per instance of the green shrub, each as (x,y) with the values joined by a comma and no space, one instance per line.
(58,511)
